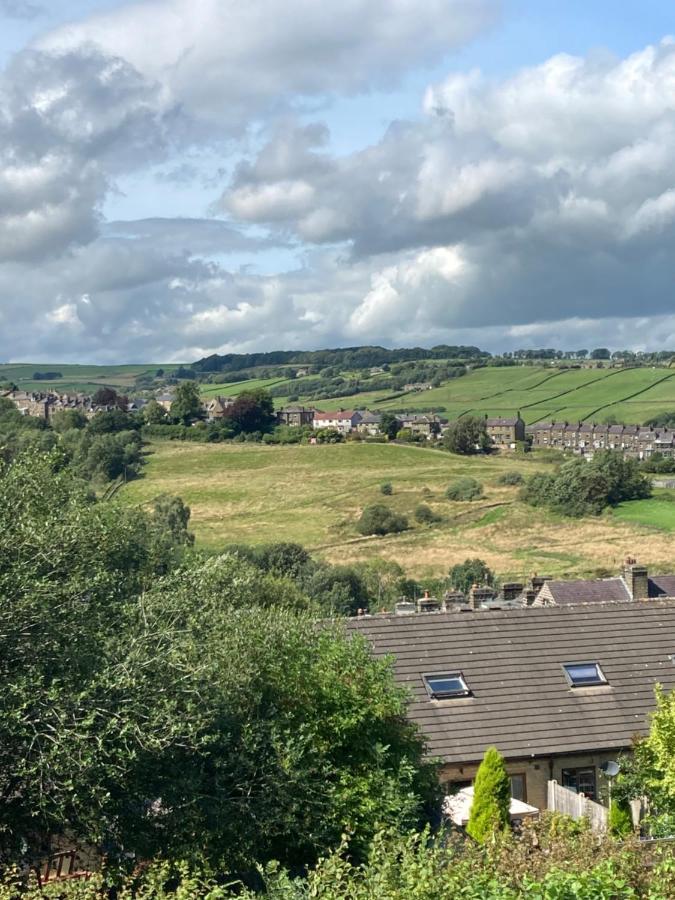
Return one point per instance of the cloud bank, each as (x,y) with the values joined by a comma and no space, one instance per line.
(537,208)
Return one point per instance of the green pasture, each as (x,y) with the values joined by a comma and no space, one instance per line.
(657,512)
(84,378)
(314,495)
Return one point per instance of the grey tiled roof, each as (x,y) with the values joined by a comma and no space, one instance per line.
(512,660)
(598,590)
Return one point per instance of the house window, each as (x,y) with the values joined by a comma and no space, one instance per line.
(448,684)
(586,674)
(519,787)
(581,781)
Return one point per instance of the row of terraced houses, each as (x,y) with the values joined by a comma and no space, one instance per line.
(585,438)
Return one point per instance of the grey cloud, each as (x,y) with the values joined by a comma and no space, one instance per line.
(69,124)
(551,190)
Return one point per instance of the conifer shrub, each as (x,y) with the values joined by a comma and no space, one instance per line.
(620,820)
(489,813)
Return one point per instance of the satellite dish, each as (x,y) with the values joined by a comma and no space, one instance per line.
(610,768)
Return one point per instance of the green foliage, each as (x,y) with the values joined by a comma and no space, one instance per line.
(252,411)
(465,488)
(154,413)
(66,419)
(425,514)
(581,488)
(141,709)
(187,404)
(389,425)
(620,821)
(379,519)
(68,568)
(466,436)
(511,478)
(470,572)
(387,488)
(491,799)
(339,590)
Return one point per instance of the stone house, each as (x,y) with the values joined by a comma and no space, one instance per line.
(296,415)
(558,690)
(217,408)
(430,426)
(370,423)
(505,433)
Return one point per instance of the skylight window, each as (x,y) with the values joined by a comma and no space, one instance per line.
(584,674)
(447,684)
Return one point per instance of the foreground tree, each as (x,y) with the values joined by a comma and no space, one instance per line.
(491,798)
(201,714)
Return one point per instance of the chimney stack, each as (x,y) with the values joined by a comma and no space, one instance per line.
(636,579)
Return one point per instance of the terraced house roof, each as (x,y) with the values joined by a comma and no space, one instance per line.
(519,698)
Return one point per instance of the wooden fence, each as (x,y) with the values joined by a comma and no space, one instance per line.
(563,800)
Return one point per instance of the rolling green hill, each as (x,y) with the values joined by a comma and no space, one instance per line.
(538,392)
(77,378)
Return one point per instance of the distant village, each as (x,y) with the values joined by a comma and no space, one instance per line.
(505,433)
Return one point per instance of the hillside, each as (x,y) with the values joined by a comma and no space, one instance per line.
(538,392)
(251,493)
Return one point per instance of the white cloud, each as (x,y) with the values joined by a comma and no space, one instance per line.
(229,62)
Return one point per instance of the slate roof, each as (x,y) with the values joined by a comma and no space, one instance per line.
(598,590)
(496,423)
(511,661)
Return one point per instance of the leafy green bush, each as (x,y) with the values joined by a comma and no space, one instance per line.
(491,798)
(581,488)
(465,488)
(379,519)
(386,488)
(425,514)
(510,478)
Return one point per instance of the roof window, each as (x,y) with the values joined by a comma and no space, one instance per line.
(585,674)
(445,685)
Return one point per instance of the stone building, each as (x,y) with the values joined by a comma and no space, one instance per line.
(296,415)
(506,433)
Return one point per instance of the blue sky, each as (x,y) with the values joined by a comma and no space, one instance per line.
(178,178)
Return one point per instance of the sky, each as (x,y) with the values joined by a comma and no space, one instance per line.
(184,177)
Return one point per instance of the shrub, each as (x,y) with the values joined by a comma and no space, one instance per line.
(465,489)
(491,798)
(509,478)
(379,519)
(425,514)
(620,820)
(386,488)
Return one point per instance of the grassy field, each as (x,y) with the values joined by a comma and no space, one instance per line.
(537,392)
(658,512)
(78,377)
(314,495)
